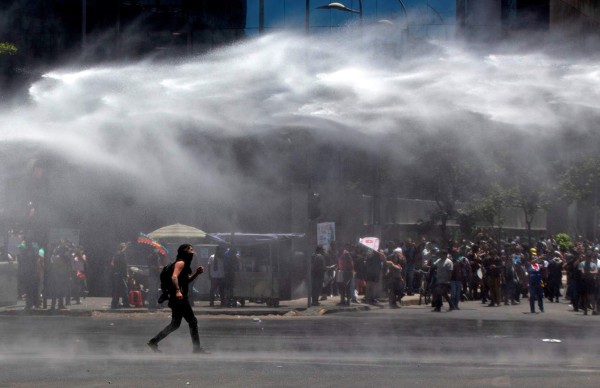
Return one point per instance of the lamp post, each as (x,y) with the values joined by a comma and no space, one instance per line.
(83,23)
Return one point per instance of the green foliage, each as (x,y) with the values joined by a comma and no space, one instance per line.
(7,48)
(490,207)
(581,181)
(564,241)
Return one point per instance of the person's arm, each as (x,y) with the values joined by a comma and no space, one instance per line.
(193,276)
(176,271)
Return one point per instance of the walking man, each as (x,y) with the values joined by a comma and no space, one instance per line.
(178,299)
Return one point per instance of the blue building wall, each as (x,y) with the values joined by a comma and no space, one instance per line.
(435,18)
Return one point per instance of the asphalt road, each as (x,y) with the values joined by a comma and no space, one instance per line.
(474,347)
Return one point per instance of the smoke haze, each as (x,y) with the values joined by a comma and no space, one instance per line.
(170,131)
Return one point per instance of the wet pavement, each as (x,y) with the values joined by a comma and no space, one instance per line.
(295,346)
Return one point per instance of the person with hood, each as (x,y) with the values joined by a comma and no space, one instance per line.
(178,299)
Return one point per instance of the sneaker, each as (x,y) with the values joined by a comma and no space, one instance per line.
(200,351)
(154,346)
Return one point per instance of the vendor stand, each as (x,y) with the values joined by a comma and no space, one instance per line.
(259,266)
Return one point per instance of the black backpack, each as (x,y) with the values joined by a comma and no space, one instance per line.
(166,284)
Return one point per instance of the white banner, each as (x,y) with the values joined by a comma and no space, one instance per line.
(370,242)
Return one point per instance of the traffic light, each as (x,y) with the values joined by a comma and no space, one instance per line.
(314,205)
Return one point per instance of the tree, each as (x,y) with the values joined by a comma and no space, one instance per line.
(530,197)
(446,178)
(489,208)
(580,183)
(7,48)
(564,241)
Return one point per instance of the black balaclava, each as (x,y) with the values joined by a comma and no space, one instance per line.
(182,254)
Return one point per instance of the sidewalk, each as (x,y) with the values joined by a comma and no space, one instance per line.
(92,305)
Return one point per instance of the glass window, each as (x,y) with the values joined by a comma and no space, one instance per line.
(291,14)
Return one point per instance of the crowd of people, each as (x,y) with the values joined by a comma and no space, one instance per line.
(495,273)
(51,277)
(221,268)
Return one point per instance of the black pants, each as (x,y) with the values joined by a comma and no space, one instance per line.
(439,292)
(119,290)
(217,286)
(180,309)
(395,291)
(317,287)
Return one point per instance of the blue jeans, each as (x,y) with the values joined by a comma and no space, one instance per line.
(455,291)
(536,292)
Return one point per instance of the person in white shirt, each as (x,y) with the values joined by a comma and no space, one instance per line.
(216,274)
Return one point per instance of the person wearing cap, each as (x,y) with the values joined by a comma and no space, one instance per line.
(534,273)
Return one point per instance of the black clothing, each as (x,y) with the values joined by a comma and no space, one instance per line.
(317,276)
(373,267)
(118,280)
(181,309)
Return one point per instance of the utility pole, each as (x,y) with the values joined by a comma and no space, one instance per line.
(307,17)
(261,16)
(83,23)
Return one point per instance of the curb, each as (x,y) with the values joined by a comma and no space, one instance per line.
(17,310)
